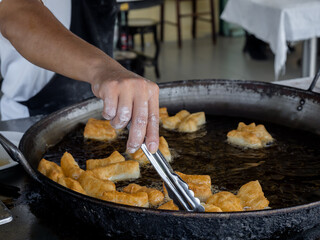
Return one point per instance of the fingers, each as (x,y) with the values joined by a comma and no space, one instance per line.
(138,123)
(124,110)
(152,134)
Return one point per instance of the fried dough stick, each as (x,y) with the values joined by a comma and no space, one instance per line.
(155,196)
(70,167)
(139,199)
(113,158)
(118,171)
(95,187)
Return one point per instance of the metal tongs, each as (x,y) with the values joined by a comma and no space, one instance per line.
(178,190)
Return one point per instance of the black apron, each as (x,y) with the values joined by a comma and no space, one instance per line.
(93,21)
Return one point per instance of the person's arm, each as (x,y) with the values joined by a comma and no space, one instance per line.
(43,40)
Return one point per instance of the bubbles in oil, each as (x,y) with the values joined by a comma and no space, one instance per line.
(289,170)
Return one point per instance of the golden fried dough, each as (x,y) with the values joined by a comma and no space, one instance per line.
(227,201)
(113,158)
(163,147)
(250,136)
(70,167)
(169,206)
(45,167)
(252,196)
(211,208)
(99,130)
(74,185)
(118,171)
(139,199)
(155,196)
(95,187)
(201,191)
(196,179)
(192,122)
(163,113)
(173,122)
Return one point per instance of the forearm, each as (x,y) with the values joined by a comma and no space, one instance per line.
(44,41)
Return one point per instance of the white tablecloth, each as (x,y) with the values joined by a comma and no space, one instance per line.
(276,22)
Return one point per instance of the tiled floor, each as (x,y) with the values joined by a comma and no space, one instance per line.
(200,59)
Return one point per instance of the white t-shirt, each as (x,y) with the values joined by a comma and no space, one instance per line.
(22,79)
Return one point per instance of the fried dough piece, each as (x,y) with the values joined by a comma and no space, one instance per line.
(52,171)
(251,195)
(244,139)
(99,130)
(163,147)
(118,171)
(169,206)
(192,122)
(173,122)
(250,136)
(227,201)
(70,167)
(196,179)
(163,113)
(113,158)
(139,199)
(201,191)
(74,185)
(95,187)
(45,167)
(155,196)
(211,208)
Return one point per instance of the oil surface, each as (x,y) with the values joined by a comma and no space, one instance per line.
(289,170)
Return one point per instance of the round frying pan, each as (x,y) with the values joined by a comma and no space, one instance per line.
(277,104)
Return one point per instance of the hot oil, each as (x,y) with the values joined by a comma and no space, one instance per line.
(289,170)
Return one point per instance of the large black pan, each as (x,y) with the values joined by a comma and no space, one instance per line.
(273,103)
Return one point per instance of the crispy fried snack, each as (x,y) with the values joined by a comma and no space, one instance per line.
(99,130)
(192,122)
(251,195)
(139,199)
(227,201)
(95,187)
(45,167)
(70,167)
(74,185)
(211,208)
(173,122)
(169,206)
(52,171)
(113,158)
(163,147)
(118,171)
(201,191)
(250,136)
(199,184)
(163,113)
(196,179)
(155,196)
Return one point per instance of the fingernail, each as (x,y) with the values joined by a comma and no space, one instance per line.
(132,150)
(152,147)
(106,116)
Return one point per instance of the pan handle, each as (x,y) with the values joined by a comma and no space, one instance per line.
(17,156)
(314,81)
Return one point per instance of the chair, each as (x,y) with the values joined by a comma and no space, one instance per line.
(195,16)
(129,27)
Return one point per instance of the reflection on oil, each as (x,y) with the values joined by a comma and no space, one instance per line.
(289,171)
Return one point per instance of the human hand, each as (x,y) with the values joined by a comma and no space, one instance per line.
(126,96)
